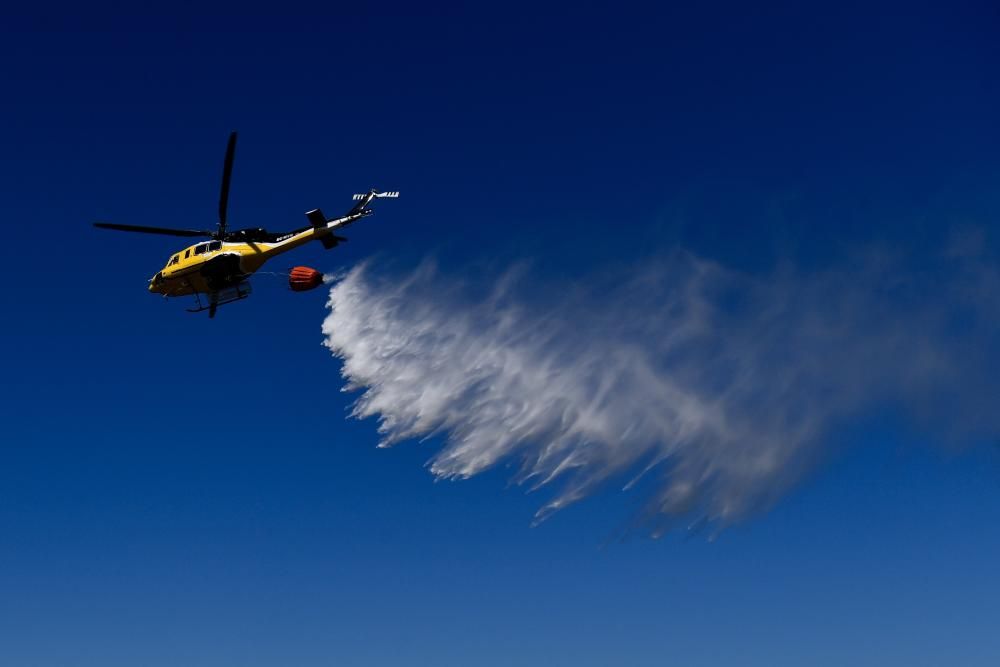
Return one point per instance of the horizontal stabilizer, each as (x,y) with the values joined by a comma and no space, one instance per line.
(316,218)
(331,241)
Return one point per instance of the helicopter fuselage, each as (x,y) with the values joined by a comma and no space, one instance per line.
(211,266)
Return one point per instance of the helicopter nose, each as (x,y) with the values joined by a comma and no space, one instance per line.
(154,282)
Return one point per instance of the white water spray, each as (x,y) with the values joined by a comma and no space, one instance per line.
(723,386)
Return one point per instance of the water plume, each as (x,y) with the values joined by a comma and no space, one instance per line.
(723,386)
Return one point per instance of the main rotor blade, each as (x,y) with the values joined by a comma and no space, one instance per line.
(153,230)
(227,172)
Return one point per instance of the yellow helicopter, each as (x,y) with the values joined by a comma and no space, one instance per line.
(219,268)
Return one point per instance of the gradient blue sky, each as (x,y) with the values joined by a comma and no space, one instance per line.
(175,490)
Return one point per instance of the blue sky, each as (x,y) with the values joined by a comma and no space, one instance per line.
(174,489)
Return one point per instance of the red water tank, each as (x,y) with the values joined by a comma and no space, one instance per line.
(302,278)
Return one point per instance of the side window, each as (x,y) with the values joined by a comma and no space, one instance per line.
(198,249)
(187,253)
(214,245)
(175,259)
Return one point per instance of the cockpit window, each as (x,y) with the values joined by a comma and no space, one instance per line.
(214,245)
(174,259)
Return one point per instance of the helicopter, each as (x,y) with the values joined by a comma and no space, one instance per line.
(220,267)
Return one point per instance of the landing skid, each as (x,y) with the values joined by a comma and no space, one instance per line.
(221,298)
